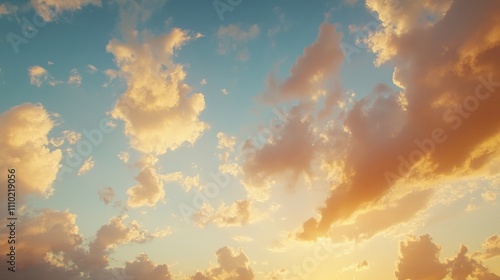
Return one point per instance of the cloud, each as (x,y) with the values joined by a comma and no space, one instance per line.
(86,166)
(231,265)
(399,17)
(321,61)
(143,268)
(7,9)
(50,9)
(234,38)
(38,75)
(489,196)
(149,190)
(115,233)
(75,79)
(239,213)
(385,141)
(156,101)
(52,247)
(187,182)
(25,148)
(92,68)
(203,82)
(357,266)
(50,231)
(419,259)
(491,247)
(124,157)
(107,195)
(289,152)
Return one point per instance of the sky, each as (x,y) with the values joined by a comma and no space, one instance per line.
(238,139)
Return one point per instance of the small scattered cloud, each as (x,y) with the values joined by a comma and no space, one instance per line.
(106,195)
(92,68)
(86,166)
(50,10)
(39,75)
(75,79)
(124,157)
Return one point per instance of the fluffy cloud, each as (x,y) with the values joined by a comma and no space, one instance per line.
(398,17)
(115,233)
(491,247)
(233,38)
(50,9)
(143,268)
(419,259)
(149,190)
(187,182)
(52,247)
(156,101)
(231,265)
(289,153)
(24,147)
(320,62)
(385,139)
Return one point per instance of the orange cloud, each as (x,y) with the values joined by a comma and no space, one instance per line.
(25,147)
(320,60)
(230,265)
(156,101)
(447,76)
(419,259)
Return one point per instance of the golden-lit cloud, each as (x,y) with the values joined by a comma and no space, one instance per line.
(321,60)
(231,264)
(420,259)
(25,147)
(387,142)
(39,75)
(86,166)
(149,190)
(143,268)
(491,247)
(239,213)
(157,101)
(50,9)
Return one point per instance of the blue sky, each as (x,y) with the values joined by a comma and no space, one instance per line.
(171,140)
